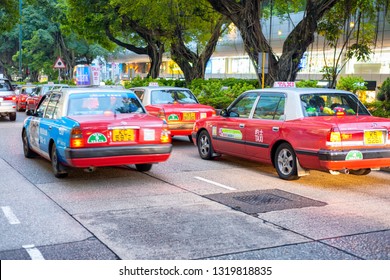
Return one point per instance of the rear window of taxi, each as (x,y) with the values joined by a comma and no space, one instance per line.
(331,104)
(170,96)
(101,103)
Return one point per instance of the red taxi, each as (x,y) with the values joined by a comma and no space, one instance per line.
(33,99)
(23,93)
(93,127)
(298,130)
(177,106)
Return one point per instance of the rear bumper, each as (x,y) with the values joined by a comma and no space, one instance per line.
(111,156)
(5,108)
(371,158)
(180,128)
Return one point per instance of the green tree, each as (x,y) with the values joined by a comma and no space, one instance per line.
(43,41)
(348,29)
(246,17)
(9,14)
(190,30)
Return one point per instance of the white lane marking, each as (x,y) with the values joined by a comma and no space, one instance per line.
(215,183)
(11,217)
(34,253)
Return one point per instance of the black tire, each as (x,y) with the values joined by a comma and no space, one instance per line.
(28,153)
(286,162)
(205,148)
(143,167)
(12,116)
(58,168)
(360,172)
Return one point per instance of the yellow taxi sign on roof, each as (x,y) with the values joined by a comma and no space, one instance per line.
(284,84)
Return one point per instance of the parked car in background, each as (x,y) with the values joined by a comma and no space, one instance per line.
(177,106)
(33,100)
(22,94)
(92,127)
(7,99)
(298,130)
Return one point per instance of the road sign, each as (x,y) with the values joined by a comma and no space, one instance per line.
(59,64)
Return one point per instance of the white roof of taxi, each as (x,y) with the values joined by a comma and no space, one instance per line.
(293,106)
(76,90)
(158,87)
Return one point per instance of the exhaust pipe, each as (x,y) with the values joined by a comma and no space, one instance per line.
(337,172)
(90,169)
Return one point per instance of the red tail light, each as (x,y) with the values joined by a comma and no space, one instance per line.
(334,135)
(76,138)
(10,97)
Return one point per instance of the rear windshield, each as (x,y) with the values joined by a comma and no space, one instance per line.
(103,103)
(171,96)
(331,104)
(5,85)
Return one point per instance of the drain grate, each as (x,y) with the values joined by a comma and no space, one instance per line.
(262,201)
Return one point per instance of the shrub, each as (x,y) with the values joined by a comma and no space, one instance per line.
(307,84)
(384,91)
(350,83)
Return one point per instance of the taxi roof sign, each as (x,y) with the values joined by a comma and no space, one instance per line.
(284,84)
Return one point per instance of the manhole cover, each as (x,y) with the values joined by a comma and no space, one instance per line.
(262,201)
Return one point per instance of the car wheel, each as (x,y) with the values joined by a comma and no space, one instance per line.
(286,162)
(204,145)
(58,168)
(360,172)
(143,167)
(28,153)
(12,116)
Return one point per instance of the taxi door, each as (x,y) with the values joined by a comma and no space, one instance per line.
(265,126)
(47,126)
(229,133)
(35,123)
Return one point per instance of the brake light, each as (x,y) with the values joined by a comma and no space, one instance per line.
(334,135)
(165,136)
(76,138)
(10,97)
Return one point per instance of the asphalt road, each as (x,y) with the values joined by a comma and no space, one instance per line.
(186,209)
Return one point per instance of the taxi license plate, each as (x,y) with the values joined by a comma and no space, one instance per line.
(373,137)
(122,135)
(189,116)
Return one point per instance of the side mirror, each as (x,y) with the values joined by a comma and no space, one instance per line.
(224,113)
(29,112)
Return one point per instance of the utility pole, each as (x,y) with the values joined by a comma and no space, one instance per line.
(20,38)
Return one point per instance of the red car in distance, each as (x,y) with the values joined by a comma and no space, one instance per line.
(33,99)
(177,106)
(22,94)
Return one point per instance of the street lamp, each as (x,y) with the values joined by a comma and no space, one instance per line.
(20,38)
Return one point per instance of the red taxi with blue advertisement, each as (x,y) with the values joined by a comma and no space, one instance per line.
(92,127)
(298,130)
(177,106)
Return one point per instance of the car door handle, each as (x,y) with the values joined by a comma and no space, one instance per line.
(275,128)
(241,125)
(50,127)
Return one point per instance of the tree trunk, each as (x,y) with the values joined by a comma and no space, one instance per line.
(193,64)
(246,16)
(155,49)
